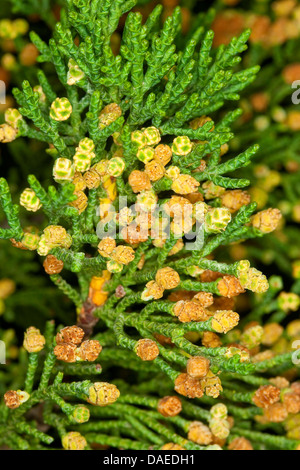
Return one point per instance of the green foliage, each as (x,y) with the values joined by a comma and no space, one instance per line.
(109,105)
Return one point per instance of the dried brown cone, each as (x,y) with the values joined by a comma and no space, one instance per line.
(200,433)
(235,199)
(155,170)
(188,386)
(106,246)
(81,202)
(291,402)
(224,321)
(109,113)
(70,334)
(34,341)
(240,443)
(230,286)
(146,349)
(12,400)
(197,367)
(65,352)
(211,340)
(153,290)
(163,154)
(205,299)
(266,396)
(123,254)
(92,178)
(266,221)
(169,406)
(78,182)
(276,413)
(167,278)
(139,181)
(187,311)
(89,350)
(52,265)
